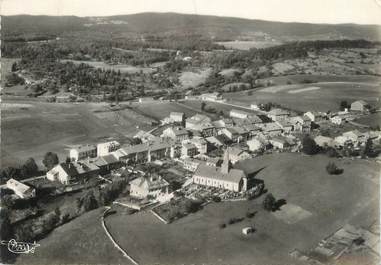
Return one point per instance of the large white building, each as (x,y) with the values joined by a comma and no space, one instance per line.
(82,152)
(224,177)
(106,148)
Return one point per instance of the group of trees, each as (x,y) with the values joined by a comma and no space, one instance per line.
(26,170)
(309,146)
(292,50)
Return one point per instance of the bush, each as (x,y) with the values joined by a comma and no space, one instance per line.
(250,214)
(331,152)
(222,226)
(309,146)
(234,220)
(332,169)
(216,199)
(269,202)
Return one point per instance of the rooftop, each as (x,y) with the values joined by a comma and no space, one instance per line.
(234,175)
(149,183)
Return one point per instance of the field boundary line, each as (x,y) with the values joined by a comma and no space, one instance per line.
(125,254)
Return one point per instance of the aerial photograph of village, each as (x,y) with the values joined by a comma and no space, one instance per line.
(190,132)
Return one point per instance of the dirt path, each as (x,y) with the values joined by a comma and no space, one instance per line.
(116,245)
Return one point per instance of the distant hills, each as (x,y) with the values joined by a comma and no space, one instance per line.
(155,24)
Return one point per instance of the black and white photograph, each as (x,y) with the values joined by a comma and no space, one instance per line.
(190,132)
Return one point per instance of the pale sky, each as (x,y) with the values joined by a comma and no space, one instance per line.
(314,11)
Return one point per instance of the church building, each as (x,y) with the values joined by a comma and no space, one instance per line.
(223,177)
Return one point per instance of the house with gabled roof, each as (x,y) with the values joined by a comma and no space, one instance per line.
(360,105)
(153,185)
(278,114)
(20,189)
(73,172)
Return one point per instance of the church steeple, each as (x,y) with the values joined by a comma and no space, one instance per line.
(225,167)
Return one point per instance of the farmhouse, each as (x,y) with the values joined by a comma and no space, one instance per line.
(107,163)
(282,142)
(286,126)
(144,136)
(256,144)
(153,186)
(175,133)
(254,106)
(323,141)
(200,143)
(234,113)
(145,152)
(224,177)
(360,105)
(356,136)
(82,152)
(237,154)
(177,117)
(301,124)
(20,189)
(215,96)
(106,148)
(235,134)
(146,99)
(341,141)
(191,164)
(278,114)
(337,120)
(314,116)
(73,172)
(202,124)
(271,128)
(218,140)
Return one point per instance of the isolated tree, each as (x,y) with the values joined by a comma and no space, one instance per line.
(309,146)
(14,67)
(344,105)
(368,149)
(269,202)
(332,169)
(50,160)
(203,105)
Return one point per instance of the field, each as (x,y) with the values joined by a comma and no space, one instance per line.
(81,241)
(322,96)
(371,120)
(124,68)
(317,205)
(31,128)
(160,110)
(297,79)
(194,78)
